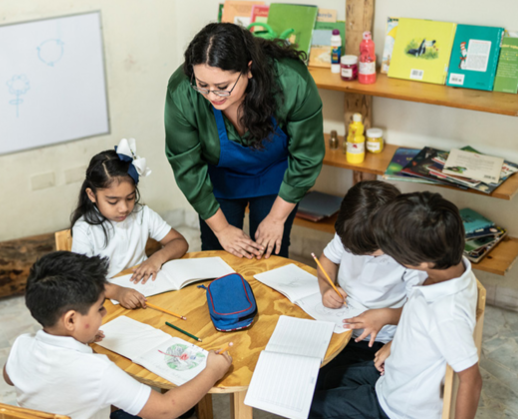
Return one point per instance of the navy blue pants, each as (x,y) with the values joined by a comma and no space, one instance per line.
(348,393)
(234,210)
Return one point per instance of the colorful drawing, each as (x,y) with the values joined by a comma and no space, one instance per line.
(18,85)
(51,51)
(182,357)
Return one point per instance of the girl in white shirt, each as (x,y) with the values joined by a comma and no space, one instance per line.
(109,221)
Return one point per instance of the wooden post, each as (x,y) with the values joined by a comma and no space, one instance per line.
(359,18)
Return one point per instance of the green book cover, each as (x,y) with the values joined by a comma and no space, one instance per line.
(292,16)
(506,79)
(474,57)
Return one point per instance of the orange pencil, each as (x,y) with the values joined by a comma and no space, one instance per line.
(225,348)
(165,311)
(327,276)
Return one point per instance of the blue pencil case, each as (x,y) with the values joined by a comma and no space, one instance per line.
(231,303)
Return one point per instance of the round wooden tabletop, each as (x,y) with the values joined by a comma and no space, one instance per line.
(191,302)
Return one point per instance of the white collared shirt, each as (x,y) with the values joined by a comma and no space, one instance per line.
(59,374)
(436,328)
(373,281)
(127,239)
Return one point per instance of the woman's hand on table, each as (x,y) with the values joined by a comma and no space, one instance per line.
(269,234)
(236,242)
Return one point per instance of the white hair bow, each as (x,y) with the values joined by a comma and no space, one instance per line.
(127,151)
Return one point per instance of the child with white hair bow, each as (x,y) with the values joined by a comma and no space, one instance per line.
(109,221)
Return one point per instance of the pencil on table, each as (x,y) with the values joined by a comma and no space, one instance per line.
(183,331)
(165,311)
(220,351)
(327,277)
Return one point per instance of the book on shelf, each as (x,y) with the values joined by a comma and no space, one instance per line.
(400,159)
(484,232)
(320,52)
(506,79)
(422,50)
(301,18)
(259,14)
(327,15)
(477,249)
(286,373)
(238,12)
(473,165)
(473,221)
(390,38)
(474,57)
(318,205)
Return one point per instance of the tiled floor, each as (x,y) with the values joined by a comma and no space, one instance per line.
(499,361)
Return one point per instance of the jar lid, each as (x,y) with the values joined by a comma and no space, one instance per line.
(349,59)
(374,133)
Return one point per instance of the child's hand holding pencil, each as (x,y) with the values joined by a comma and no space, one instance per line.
(334,297)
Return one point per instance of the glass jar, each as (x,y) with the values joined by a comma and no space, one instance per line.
(349,67)
(333,140)
(375,140)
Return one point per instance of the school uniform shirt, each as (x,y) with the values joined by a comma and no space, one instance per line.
(126,239)
(192,139)
(59,374)
(436,328)
(373,282)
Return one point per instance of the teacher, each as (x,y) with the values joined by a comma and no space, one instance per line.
(244,127)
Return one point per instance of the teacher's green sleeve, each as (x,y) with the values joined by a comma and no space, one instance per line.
(302,113)
(184,149)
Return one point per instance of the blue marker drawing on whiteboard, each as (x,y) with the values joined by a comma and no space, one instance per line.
(51,51)
(18,85)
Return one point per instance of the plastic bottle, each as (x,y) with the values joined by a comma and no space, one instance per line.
(336,51)
(367,72)
(355,140)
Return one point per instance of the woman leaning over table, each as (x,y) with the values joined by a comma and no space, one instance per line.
(244,127)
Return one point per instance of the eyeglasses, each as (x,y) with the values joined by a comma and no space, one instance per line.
(220,93)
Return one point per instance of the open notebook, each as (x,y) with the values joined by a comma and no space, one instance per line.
(177,274)
(301,288)
(286,374)
(171,358)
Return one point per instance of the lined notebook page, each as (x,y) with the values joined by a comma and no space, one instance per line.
(283,384)
(301,337)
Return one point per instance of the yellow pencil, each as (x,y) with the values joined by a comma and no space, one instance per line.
(220,351)
(327,276)
(165,311)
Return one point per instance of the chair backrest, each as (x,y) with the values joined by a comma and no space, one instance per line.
(63,240)
(13,412)
(451,380)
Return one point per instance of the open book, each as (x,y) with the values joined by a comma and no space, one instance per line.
(286,374)
(177,274)
(301,288)
(171,358)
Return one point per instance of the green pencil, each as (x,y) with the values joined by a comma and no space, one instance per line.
(183,331)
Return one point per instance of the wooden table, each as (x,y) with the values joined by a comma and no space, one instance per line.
(191,302)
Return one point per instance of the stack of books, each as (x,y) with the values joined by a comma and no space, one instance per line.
(482,235)
(465,168)
(316,206)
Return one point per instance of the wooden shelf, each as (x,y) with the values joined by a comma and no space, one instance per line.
(327,225)
(475,100)
(501,259)
(378,163)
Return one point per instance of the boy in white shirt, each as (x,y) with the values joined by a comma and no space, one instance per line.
(56,371)
(421,231)
(365,276)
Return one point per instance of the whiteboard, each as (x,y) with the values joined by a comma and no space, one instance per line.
(52,82)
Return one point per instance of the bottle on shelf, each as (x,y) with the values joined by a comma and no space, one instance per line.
(375,140)
(355,145)
(349,67)
(367,72)
(333,140)
(336,51)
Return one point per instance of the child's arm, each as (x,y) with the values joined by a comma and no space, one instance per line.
(372,321)
(127,297)
(329,296)
(178,400)
(381,356)
(6,378)
(174,247)
(469,392)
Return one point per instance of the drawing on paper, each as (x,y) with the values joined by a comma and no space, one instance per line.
(51,51)
(182,357)
(337,312)
(18,86)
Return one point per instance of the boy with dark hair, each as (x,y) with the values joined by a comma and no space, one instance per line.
(56,371)
(371,280)
(421,231)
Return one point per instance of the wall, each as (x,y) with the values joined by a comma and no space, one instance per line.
(140,55)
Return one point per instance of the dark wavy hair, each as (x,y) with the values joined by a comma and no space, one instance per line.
(231,47)
(421,227)
(104,169)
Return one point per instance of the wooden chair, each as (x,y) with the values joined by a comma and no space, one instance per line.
(13,412)
(451,380)
(63,240)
